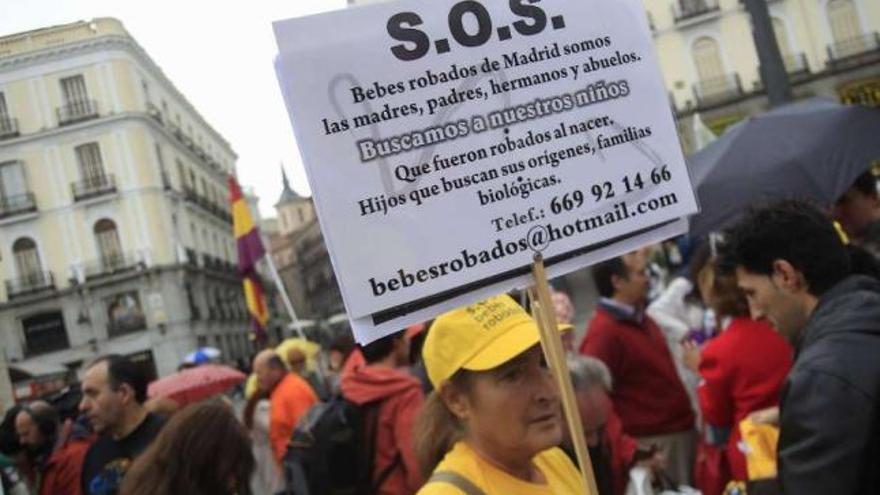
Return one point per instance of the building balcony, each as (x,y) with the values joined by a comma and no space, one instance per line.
(8,128)
(190,195)
(77,111)
(191,257)
(94,187)
(685,10)
(854,50)
(796,64)
(154,112)
(112,265)
(19,204)
(719,90)
(208,261)
(31,283)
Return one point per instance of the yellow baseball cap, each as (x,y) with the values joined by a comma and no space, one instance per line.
(478,337)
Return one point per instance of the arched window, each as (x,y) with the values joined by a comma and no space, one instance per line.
(27,260)
(707,59)
(109,247)
(846,30)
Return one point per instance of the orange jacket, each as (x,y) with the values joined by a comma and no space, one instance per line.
(292,397)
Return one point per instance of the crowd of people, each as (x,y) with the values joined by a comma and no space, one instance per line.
(772,327)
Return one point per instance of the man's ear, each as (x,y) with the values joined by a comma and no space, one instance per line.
(127,393)
(786,276)
(616,280)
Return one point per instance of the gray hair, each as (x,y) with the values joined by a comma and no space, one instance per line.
(587,372)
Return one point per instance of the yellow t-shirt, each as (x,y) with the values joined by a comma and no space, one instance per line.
(563,478)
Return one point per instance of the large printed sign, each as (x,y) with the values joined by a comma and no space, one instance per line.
(446,142)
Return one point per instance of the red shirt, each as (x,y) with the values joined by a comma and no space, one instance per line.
(648,394)
(743,370)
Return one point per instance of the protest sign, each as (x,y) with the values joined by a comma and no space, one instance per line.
(447,141)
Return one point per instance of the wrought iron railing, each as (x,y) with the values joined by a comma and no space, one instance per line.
(854,47)
(683,10)
(718,90)
(30,283)
(8,127)
(92,187)
(18,204)
(77,111)
(111,265)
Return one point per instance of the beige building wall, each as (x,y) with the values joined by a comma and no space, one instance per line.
(163,184)
(806,32)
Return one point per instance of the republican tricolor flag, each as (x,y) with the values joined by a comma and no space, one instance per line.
(250,250)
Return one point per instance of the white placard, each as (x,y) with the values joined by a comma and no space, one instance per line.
(446,141)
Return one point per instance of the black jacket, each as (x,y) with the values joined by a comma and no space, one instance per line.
(830,425)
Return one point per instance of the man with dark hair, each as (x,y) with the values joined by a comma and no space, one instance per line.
(794,269)
(858,211)
(53,454)
(397,396)
(114,391)
(648,395)
(290,396)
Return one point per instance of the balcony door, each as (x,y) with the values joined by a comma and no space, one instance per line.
(109,247)
(74,90)
(12,183)
(846,30)
(91,166)
(27,261)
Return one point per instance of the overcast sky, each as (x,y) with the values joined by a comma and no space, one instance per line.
(219,55)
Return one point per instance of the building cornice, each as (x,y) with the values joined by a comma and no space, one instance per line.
(105,43)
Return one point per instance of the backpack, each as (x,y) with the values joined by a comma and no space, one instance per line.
(331,451)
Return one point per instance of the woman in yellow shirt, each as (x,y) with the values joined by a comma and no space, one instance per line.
(493,422)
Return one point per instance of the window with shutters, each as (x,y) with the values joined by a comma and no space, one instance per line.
(73,89)
(8,125)
(27,260)
(846,30)
(109,247)
(91,166)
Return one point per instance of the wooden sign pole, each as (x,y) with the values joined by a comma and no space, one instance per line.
(554,352)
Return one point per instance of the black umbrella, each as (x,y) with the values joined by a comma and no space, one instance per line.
(813,149)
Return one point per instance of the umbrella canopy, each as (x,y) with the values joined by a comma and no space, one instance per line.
(814,150)
(202,355)
(195,384)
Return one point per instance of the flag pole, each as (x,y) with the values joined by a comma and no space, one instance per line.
(297,325)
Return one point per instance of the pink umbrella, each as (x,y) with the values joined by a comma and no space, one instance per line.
(194,384)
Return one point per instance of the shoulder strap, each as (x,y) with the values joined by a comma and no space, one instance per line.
(457,481)
(383,476)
